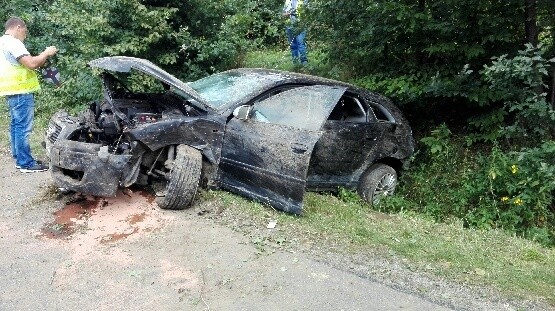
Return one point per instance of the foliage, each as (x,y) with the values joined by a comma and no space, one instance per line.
(519,194)
(498,188)
(189,39)
(510,97)
(217,34)
(436,185)
(403,87)
(520,80)
(514,191)
(416,40)
(438,141)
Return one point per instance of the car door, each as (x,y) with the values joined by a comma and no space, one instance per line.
(266,156)
(349,143)
(343,152)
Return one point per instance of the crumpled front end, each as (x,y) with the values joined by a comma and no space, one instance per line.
(81,166)
(87,168)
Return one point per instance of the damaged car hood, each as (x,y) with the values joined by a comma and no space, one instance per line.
(126,64)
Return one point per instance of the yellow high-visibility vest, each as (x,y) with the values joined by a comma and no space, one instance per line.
(16,79)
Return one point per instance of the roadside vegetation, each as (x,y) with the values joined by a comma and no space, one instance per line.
(476,80)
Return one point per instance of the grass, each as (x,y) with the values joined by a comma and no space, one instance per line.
(516,266)
(280,59)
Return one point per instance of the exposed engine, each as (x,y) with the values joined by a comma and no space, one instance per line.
(107,122)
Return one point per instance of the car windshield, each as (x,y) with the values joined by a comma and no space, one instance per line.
(225,88)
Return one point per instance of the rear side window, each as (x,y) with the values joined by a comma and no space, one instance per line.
(382,114)
(349,109)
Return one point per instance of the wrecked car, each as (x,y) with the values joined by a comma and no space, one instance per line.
(265,134)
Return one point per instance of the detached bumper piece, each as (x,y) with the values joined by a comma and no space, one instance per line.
(87,168)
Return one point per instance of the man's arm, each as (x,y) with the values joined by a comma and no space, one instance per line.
(34,62)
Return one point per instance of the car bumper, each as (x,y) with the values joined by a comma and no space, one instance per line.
(87,168)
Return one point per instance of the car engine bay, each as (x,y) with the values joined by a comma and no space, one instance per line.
(106,122)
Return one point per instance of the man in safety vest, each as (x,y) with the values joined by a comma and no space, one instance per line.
(295,34)
(18,81)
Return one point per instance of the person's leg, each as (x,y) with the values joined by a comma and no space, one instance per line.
(12,131)
(22,113)
(293,45)
(301,47)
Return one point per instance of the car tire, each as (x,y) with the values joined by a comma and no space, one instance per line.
(378,181)
(183,181)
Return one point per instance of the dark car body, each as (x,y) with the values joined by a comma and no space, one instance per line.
(265,134)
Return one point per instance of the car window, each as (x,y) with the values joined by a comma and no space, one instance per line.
(382,114)
(276,91)
(304,107)
(222,89)
(350,109)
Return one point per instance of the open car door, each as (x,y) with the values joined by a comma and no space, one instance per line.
(266,156)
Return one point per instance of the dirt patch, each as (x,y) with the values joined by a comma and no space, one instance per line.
(85,222)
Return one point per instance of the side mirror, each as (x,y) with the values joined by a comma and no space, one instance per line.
(242,112)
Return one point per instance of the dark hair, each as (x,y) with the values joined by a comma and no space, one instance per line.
(14,22)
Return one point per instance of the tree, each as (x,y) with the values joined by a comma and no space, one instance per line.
(530,22)
(187,38)
(428,54)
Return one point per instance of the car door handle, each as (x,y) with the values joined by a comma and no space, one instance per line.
(299,148)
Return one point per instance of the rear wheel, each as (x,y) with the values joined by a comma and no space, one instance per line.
(178,189)
(378,181)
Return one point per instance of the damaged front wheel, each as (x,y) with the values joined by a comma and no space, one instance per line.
(178,190)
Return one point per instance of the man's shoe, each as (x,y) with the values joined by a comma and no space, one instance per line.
(37,167)
(37,161)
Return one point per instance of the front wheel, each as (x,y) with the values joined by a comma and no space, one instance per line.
(178,190)
(378,181)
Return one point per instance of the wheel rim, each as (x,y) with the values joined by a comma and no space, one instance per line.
(161,181)
(160,188)
(384,187)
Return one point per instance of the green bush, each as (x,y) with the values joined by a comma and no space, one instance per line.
(189,39)
(520,191)
(486,189)
(436,183)
(527,118)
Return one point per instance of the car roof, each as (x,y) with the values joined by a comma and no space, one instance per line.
(289,76)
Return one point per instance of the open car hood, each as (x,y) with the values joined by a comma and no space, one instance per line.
(125,64)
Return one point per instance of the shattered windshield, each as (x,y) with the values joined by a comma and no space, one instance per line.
(225,88)
(304,107)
